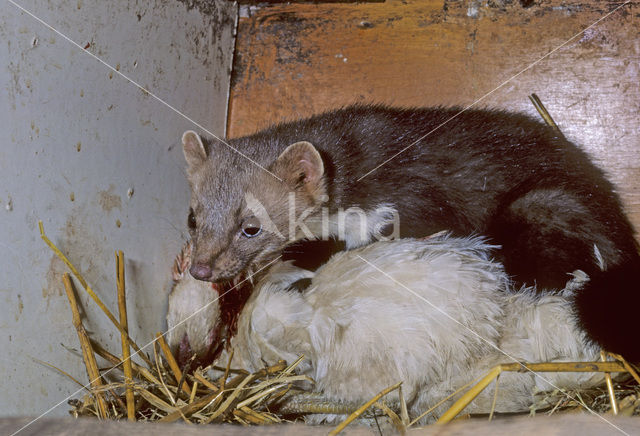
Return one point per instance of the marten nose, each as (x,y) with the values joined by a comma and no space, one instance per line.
(200,271)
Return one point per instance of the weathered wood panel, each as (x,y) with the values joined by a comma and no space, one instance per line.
(296,60)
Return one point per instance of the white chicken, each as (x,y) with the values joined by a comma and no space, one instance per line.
(434,314)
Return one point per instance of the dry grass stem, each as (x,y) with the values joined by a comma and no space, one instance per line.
(194,391)
(362,409)
(95,379)
(546,116)
(139,371)
(173,365)
(91,293)
(469,396)
(163,385)
(444,400)
(190,408)
(395,419)
(226,370)
(126,352)
(289,369)
(495,398)
(157,402)
(610,390)
(627,366)
(251,416)
(404,413)
(200,378)
(231,398)
(69,376)
(462,402)
(628,405)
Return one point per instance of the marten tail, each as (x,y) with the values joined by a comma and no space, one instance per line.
(549,231)
(608,308)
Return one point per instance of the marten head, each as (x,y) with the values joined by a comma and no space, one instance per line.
(244,210)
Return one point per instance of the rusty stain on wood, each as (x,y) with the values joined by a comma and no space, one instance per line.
(296,60)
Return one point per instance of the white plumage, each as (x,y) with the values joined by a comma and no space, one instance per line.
(193,314)
(431,313)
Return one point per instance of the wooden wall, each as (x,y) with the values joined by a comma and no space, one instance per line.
(296,60)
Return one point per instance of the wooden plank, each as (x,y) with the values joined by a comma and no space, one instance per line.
(295,60)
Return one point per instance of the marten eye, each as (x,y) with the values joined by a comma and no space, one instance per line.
(191,221)
(251,227)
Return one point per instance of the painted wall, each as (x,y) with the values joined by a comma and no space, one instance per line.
(99,162)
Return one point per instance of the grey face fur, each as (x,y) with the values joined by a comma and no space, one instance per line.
(229,194)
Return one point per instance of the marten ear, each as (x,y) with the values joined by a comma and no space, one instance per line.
(193,148)
(301,165)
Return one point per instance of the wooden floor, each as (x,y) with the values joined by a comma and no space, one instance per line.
(297,60)
(567,424)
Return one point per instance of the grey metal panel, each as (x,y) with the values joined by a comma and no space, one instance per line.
(84,150)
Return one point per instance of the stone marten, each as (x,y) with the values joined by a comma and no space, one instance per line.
(489,172)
